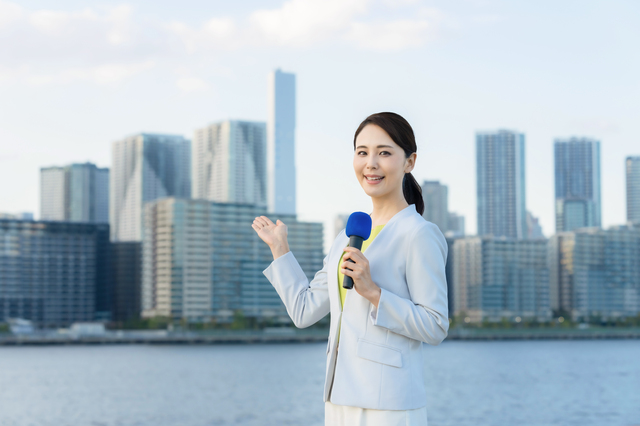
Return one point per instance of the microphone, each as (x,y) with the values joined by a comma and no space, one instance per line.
(358,230)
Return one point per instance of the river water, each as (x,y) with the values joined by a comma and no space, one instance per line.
(523,383)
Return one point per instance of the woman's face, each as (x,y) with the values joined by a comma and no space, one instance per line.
(377,155)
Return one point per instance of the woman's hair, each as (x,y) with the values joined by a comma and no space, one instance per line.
(401,133)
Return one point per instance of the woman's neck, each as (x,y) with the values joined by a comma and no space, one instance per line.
(384,211)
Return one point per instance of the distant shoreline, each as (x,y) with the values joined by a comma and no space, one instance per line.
(163,337)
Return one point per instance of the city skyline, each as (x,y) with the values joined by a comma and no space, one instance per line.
(451,69)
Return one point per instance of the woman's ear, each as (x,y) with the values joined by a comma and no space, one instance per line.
(411,162)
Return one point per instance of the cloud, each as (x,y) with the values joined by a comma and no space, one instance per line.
(395,35)
(106,74)
(303,22)
(109,45)
(191,84)
(9,13)
(306,23)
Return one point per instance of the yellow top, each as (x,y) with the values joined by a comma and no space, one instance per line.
(343,291)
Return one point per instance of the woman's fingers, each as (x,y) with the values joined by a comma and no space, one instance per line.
(260,221)
(268,220)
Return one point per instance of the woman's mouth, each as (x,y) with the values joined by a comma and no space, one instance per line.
(373,181)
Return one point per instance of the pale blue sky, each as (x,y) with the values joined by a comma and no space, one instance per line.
(77,75)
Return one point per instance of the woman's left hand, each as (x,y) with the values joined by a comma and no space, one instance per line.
(361,274)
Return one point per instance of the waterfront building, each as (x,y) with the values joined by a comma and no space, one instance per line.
(500,181)
(203,260)
(561,272)
(495,277)
(126,275)
(632,166)
(229,163)
(577,183)
(600,272)
(145,167)
(281,126)
(54,273)
(74,193)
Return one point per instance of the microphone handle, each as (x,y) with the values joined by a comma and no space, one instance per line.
(354,241)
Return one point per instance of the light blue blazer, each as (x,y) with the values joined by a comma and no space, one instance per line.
(380,363)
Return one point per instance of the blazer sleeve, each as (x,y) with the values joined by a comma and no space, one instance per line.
(425,317)
(306,303)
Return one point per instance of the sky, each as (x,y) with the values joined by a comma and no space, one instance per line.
(77,75)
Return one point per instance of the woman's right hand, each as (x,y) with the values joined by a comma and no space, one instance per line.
(274,234)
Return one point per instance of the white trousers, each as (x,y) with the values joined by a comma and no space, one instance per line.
(342,415)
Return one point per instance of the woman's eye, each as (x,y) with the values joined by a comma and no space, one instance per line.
(382,152)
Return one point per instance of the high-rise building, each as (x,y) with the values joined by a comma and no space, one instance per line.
(500,277)
(501,184)
(577,174)
(534,229)
(281,125)
(633,189)
(203,260)
(456,226)
(75,193)
(436,204)
(145,167)
(229,162)
(54,273)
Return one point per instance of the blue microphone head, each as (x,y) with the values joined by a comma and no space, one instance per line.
(359,224)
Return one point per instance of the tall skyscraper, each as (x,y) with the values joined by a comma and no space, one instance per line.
(145,167)
(229,162)
(633,189)
(281,125)
(74,193)
(436,204)
(577,170)
(501,184)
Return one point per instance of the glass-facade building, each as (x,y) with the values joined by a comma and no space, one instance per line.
(632,168)
(126,275)
(500,277)
(204,260)
(595,272)
(577,183)
(281,142)
(75,193)
(54,273)
(145,167)
(229,162)
(606,272)
(500,181)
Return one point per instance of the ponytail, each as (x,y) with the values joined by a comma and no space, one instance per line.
(413,192)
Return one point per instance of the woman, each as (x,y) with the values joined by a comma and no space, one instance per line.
(374,372)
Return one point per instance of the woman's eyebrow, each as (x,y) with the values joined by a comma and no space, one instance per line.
(379,146)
